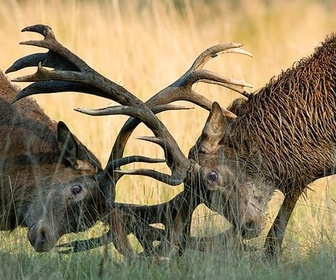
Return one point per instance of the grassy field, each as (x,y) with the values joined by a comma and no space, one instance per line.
(145,45)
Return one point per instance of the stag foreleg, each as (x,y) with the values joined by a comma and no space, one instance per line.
(276,234)
(225,240)
(125,219)
(177,221)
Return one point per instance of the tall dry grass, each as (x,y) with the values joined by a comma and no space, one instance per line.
(146,45)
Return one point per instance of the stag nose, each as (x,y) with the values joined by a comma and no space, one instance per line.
(40,237)
(250,230)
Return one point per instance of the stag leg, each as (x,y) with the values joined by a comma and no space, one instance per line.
(224,240)
(176,217)
(182,224)
(119,222)
(276,234)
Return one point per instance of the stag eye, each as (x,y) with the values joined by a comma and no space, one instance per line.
(212,176)
(76,189)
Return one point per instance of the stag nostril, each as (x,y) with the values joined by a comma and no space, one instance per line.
(251,229)
(32,227)
(250,225)
(42,236)
(247,229)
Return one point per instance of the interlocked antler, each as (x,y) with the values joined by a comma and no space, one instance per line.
(181,89)
(73,74)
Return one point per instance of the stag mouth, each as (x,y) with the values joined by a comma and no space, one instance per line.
(40,238)
(251,230)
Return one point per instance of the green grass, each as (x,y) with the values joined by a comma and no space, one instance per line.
(213,265)
(144,46)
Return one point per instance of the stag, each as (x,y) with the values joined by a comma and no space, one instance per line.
(71,73)
(281,137)
(48,177)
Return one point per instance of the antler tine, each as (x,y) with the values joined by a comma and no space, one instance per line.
(159,176)
(49,59)
(181,89)
(107,181)
(131,159)
(46,81)
(89,81)
(83,78)
(130,111)
(216,50)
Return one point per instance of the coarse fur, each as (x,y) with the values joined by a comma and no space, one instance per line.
(283,138)
(47,176)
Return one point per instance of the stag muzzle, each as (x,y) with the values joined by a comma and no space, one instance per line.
(42,237)
(251,229)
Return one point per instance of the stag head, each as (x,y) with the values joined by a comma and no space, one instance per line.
(62,187)
(56,190)
(227,188)
(64,207)
(207,173)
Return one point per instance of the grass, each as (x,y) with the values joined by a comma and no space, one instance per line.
(144,46)
(90,265)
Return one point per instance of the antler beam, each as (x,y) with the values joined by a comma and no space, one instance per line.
(72,73)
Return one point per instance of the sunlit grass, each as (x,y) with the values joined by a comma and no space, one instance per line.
(144,46)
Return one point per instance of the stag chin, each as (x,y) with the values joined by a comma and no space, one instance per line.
(41,238)
(251,230)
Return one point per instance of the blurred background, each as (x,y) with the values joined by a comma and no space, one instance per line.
(146,45)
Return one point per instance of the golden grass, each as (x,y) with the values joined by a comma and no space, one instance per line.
(146,45)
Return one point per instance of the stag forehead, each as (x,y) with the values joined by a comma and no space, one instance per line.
(217,158)
(85,180)
(53,189)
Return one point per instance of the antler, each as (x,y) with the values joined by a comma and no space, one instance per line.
(73,74)
(181,89)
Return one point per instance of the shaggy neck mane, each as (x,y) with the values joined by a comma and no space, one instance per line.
(280,125)
(24,127)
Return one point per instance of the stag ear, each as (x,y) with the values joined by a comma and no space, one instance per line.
(213,130)
(68,145)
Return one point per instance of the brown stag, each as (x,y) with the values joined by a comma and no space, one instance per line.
(48,178)
(282,138)
(73,74)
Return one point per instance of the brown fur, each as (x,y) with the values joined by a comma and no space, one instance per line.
(283,138)
(40,174)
